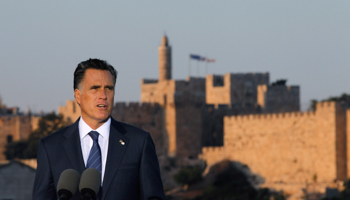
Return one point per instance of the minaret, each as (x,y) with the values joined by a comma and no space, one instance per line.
(164,60)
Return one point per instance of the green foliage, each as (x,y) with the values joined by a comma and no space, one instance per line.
(313,105)
(47,125)
(28,149)
(232,183)
(343,99)
(188,175)
(279,82)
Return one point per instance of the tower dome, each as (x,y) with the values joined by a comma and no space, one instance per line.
(164,59)
(165,40)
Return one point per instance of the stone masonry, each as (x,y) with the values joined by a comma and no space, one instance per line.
(70,112)
(278,98)
(234,88)
(289,150)
(14,126)
(149,117)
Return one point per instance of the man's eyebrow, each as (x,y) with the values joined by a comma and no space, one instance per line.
(95,86)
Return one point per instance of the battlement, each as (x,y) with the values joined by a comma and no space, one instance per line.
(149,81)
(289,88)
(234,88)
(191,85)
(191,79)
(292,87)
(251,74)
(134,105)
(278,98)
(326,104)
(295,143)
(219,80)
(206,150)
(269,116)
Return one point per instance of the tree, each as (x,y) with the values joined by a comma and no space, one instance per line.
(188,175)
(231,181)
(279,82)
(343,99)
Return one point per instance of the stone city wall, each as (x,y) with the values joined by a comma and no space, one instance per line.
(71,111)
(188,130)
(294,148)
(13,128)
(279,98)
(147,116)
(234,88)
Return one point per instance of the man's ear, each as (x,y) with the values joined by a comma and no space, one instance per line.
(77,94)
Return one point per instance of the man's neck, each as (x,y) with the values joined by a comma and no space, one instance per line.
(94,125)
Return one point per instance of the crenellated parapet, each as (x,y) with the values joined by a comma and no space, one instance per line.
(278,98)
(133,104)
(214,150)
(288,147)
(135,107)
(234,88)
(271,116)
(326,105)
(149,81)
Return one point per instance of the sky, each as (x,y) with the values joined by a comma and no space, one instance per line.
(41,43)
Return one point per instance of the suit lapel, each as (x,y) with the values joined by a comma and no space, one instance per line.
(72,147)
(115,155)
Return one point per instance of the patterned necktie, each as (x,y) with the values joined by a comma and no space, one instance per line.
(94,160)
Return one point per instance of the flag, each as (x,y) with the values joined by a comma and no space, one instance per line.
(210,60)
(197,57)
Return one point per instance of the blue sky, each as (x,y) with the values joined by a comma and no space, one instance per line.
(41,42)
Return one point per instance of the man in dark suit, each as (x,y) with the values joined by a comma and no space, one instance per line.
(125,155)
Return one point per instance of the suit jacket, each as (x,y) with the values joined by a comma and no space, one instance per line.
(131,172)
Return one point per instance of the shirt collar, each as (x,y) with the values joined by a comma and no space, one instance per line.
(103,130)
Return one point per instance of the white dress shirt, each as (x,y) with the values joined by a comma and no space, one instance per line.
(86,141)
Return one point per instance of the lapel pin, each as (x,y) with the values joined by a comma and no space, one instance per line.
(122,142)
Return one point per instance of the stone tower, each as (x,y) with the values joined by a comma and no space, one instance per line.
(164,60)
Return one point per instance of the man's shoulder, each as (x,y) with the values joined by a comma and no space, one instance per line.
(128,129)
(60,134)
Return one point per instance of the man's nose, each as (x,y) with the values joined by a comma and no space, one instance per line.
(103,94)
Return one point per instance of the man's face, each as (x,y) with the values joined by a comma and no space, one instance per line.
(95,96)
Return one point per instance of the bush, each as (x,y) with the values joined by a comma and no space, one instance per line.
(188,175)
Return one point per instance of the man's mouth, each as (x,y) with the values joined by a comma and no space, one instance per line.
(101,106)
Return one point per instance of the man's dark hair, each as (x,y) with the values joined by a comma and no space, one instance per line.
(92,64)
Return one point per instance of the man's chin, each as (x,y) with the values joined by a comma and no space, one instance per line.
(103,119)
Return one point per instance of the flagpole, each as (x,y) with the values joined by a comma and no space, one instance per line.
(206,66)
(197,69)
(189,66)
